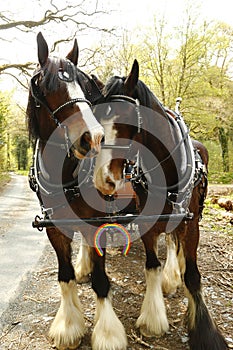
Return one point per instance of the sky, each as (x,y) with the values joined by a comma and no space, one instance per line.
(126,13)
(21,47)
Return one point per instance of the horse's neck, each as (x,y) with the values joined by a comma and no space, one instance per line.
(158,129)
(160,137)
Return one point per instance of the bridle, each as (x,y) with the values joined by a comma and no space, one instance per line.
(130,166)
(92,94)
(132,170)
(37,180)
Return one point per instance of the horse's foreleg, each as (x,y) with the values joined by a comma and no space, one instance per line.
(203,333)
(171,271)
(68,326)
(83,264)
(153,319)
(108,333)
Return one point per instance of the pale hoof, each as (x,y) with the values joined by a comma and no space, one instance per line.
(82,279)
(168,290)
(149,333)
(61,346)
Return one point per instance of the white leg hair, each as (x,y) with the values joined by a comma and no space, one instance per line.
(68,326)
(109,333)
(181,261)
(153,319)
(171,271)
(83,264)
(191,308)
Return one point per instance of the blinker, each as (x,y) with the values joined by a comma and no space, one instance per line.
(66,75)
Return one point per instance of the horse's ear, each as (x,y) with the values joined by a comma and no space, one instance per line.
(132,79)
(98,82)
(73,54)
(43,51)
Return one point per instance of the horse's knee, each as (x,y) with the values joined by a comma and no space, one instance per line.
(62,246)
(192,277)
(100,282)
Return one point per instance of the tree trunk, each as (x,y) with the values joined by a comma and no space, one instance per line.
(223,139)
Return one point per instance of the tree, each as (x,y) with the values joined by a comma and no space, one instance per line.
(114,57)
(63,21)
(70,19)
(21,151)
(199,69)
(4,114)
(157,53)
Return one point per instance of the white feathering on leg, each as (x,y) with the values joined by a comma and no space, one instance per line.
(109,333)
(153,319)
(83,264)
(68,326)
(171,271)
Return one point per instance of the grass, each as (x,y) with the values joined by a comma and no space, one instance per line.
(22,172)
(216,174)
(4,178)
(220,177)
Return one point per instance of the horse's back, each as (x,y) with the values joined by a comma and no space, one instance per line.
(202,151)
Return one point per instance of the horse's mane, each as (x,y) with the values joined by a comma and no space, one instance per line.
(33,127)
(49,81)
(115,86)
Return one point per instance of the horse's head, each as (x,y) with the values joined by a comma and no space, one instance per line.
(58,101)
(120,119)
(138,127)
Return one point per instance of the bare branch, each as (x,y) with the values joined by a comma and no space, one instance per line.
(76,18)
(25,67)
(57,15)
(25,86)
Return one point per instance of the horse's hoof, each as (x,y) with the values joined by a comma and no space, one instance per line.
(82,279)
(74,346)
(146,332)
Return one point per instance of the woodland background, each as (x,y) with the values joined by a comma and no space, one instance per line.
(192,59)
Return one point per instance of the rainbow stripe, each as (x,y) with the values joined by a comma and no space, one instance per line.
(120,228)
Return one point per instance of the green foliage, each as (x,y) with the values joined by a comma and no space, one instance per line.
(21,151)
(193,61)
(4,178)
(4,112)
(13,135)
(216,174)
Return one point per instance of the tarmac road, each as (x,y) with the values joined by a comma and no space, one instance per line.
(20,245)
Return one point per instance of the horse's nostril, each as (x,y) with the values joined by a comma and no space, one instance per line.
(85,141)
(110,183)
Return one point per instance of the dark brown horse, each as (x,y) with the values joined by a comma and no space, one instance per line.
(67,137)
(169,177)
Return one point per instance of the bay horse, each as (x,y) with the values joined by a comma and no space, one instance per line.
(67,135)
(169,178)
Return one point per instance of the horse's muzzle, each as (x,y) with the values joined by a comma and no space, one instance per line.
(87,146)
